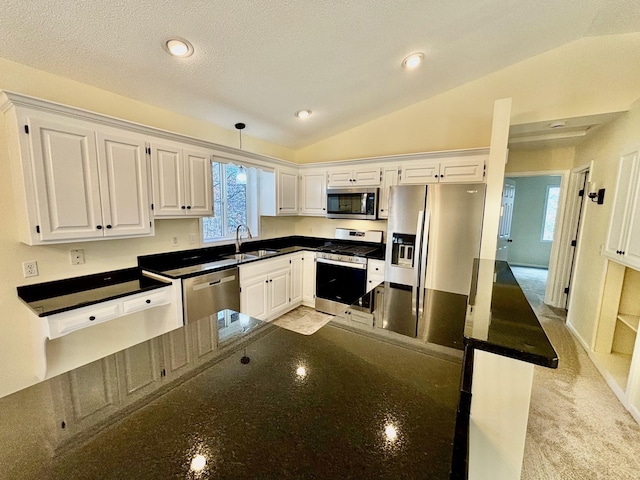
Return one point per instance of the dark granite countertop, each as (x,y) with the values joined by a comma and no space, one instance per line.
(273,404)
(190,263)
(500,319)
(59,296)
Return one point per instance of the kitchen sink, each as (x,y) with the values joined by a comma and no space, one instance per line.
(243,256)
(262,253)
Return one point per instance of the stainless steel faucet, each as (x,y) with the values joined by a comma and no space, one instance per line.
(239,238)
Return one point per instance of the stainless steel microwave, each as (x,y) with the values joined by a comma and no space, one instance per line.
(357,203)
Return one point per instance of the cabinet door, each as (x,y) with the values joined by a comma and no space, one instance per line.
(198,186)
(287,193)
(139,370)
(279,292)
(420,174)
(366,177)
(341,178)
(296,279)
(389,179)
(167,170)
(621,205)
(314,194)
(67,189)
(254,299)
(124,185)
(631,245)
(466,170)
(309,279)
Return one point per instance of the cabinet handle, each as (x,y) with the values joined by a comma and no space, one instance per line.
(271,280)
(183,207)
(324,209)
(266,281)
(99,227)
(382,209)
(109,226)
(188,207)
(92,318)
(148,301)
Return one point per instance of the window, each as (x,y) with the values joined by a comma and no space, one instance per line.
(234,202)
(550,212)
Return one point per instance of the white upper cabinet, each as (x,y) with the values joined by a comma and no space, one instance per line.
(623,238)
(287,188)
(182,184)
(81,181)
(124,185)
(355,177)
(389,179)
(464,169)
(313,192)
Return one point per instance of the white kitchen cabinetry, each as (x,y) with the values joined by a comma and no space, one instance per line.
(465,169)
(80,181)
(355,177)
(182,185)
(623,238)
(265,288)
(389,179)
(287,188)
(309,279)
(297,278)
(313,192)
(375,273)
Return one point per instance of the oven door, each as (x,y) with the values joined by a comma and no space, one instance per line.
(338,284)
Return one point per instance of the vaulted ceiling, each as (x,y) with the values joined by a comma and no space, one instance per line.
(260,61)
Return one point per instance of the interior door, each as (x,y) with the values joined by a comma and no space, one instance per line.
(506,216)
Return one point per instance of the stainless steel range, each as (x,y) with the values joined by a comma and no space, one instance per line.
(341,268)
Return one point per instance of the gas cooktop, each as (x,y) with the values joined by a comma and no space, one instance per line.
(347,249)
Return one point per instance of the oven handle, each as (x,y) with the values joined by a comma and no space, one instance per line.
(339,263)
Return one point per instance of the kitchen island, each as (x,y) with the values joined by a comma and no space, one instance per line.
(388,400)
(273,404)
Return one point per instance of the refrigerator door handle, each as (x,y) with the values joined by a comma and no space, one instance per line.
(423,264)
(416,265)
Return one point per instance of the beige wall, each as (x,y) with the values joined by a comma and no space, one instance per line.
(591,75)
(551,159)
(603,149)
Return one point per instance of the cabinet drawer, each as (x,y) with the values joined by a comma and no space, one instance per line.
(142,301)
(64,323)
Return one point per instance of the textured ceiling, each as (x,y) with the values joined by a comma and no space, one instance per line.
(259,61)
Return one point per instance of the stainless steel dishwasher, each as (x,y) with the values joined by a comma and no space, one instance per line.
(207,294)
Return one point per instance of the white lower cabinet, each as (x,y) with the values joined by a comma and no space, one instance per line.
(309,279)
(375,273)
(297,278)
(265,288)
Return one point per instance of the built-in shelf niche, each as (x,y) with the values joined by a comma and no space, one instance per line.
(620,317)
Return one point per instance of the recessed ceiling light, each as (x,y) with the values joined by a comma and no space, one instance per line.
(302,114)
(412,61)
(178,47)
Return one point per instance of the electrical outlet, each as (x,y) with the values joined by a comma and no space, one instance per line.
(174,241)
(77,256)
(192,238)
(30,269)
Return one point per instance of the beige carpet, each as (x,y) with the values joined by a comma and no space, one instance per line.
(577,427)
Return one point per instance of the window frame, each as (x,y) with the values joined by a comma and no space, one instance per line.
(544,214)
(252,198)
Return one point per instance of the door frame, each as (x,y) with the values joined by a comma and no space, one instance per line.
(557,255)
(555,293)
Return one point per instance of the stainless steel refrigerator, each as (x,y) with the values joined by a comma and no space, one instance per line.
(433,235)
